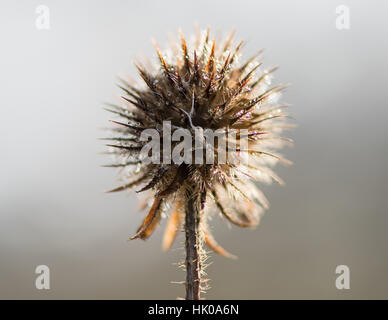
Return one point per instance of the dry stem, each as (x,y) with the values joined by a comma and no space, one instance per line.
(193,259)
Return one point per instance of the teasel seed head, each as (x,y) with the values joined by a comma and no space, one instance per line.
(201,85)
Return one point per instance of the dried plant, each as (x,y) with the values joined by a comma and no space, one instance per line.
(202,87)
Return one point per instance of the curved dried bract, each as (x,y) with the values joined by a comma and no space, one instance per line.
(172,227)
(212,244)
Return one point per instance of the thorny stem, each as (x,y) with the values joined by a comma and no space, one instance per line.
(193,259)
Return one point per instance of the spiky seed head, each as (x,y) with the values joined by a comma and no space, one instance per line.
(204,86)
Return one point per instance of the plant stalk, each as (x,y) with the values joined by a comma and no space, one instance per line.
(193,258)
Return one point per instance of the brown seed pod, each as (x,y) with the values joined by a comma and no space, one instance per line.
(204,87)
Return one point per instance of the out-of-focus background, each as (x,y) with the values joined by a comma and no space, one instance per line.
(332,211)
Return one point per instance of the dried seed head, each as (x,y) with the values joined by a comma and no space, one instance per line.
(203,87)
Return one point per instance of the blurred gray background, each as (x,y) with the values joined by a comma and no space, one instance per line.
(332,211)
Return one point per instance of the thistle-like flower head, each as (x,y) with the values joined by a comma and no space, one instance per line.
(197,88)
